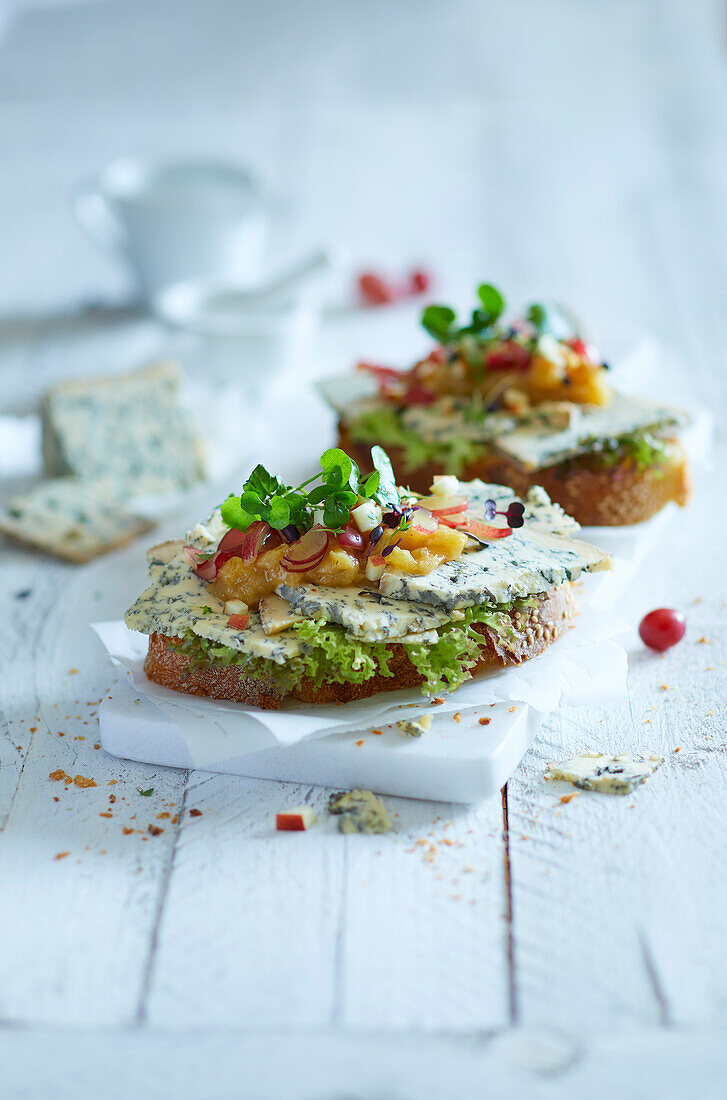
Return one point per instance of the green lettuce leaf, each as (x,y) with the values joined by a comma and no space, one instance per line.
(384,426)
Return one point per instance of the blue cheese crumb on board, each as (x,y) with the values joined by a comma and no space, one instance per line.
(128,430)
(71,520)
(360,811)
(415,727)
(594,771)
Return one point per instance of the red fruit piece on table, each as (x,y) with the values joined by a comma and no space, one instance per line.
(295,821)
(662,628)
(375,290)
(420,281)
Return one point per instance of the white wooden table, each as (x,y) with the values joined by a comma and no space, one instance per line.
(527,948)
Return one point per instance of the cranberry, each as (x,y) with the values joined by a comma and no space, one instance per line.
(663,628)
(375,291)
(420,281)
(509,356)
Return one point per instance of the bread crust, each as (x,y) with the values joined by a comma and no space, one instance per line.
(535,628)
(592,494)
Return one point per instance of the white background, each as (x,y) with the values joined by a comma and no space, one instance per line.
(560,148)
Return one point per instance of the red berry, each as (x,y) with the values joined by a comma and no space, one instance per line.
(508,356)
(663,628)
(420,281)
(375,290)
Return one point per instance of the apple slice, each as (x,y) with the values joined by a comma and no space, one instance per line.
(295,821)
(423,522)
(483,530)
(444,506)
(238,622)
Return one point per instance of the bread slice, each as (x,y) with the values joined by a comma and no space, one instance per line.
(594,495)
(534,628)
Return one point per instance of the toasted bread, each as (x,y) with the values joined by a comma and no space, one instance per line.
(534,628)
(592,494)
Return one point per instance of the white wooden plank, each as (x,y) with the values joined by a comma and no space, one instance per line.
(250,929)
(80,896)
(425,940)
(198,1065)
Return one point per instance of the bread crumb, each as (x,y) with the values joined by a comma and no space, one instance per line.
(195,813)
(456,717)
(84,781)
(359,742)
(61,855)
(678,749)
(484,721)
(568,797)
(437,702)
(154,830)
(126,830)
(73,672)
(59,774)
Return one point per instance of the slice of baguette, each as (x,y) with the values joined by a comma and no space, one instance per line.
(534,629)
(592,494)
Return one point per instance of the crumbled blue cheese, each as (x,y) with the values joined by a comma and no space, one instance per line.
(593,771)
(128,430)
(365,613)
(415,727)
(361,812)
(70,519)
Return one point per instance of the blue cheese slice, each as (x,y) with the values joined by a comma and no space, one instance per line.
(177,601)
(536,444)
(71,520)
(594,771)
(538,556)
(365,613)
(128,430)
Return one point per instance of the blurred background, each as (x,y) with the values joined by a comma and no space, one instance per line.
(573,149)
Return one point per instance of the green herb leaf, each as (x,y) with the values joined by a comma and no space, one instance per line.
(145,794)
(386,492)
(234,515)
(493,303)
(371,484)
(438,320)
(550,320)
(278,513)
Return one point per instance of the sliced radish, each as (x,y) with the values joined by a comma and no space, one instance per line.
(238,622)
(311,546)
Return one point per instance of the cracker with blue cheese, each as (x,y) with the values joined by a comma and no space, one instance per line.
(338,590)
(71,520)
(128,430)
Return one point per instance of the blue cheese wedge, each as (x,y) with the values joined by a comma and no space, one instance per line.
(71,520)
(361,812)
(365,613)
(594,771)
(127,430)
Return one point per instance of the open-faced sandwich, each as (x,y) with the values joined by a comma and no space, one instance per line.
(347,586)
(521,404)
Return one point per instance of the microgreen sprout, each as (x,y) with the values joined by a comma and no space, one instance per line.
(513,514)
(292,511)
